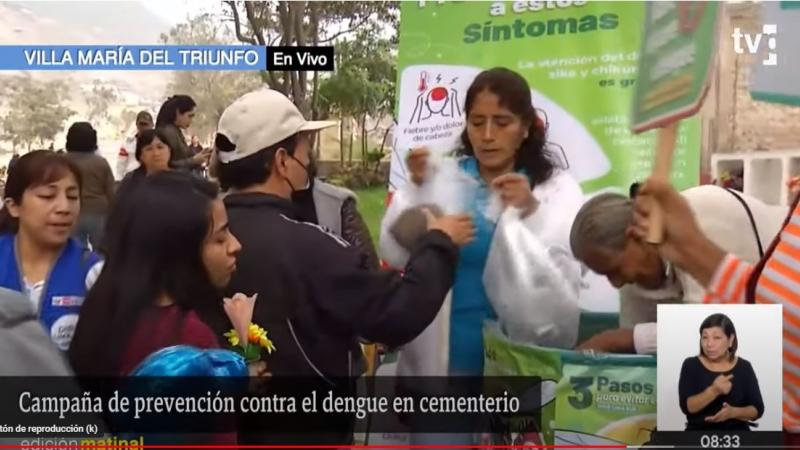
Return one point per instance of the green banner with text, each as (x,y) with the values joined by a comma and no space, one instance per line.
(585,399)
(676,64)
(580,59)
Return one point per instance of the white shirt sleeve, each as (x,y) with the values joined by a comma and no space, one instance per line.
(93,274)
(644,338)
(390,251)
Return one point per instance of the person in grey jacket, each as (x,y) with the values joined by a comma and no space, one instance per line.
(176,114)
(336,208)
(328,205)
(24,347)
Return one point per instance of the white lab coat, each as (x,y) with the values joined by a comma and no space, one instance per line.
(559,199)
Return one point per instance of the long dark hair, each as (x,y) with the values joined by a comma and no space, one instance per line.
(34,169)
(177,104)
(147,137)
(724,322)
(515,94)
(150,253)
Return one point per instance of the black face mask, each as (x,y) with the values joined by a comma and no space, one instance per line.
(304,199)
(311,173)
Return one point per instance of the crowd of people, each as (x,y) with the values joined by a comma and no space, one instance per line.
(115,274)
(146,265)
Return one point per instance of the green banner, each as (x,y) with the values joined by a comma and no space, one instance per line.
(602,398)
(580,59)
(586,399)
(677,57)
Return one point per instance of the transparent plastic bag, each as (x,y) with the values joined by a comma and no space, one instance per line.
(533,288)
(447,186)
(447,190)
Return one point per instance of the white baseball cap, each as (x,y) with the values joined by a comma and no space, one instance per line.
(260,119)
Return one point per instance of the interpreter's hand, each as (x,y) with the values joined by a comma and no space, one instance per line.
(727,412)
(610,341)
(681,230)
(515,190)
(417,163)
(458,227)
(722,384)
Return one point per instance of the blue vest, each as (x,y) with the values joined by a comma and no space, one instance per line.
(64,289)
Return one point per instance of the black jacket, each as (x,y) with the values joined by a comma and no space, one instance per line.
(316,295)
(316,298)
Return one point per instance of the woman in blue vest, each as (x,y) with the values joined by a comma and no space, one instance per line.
(37,256)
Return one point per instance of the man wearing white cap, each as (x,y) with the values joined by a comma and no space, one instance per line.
(316,294)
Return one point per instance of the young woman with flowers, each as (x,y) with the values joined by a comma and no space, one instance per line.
(162,277)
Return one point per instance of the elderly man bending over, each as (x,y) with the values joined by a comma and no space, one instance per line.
(601,238)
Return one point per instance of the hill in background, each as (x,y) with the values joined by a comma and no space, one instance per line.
(90,23)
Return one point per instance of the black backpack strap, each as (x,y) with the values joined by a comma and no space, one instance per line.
(752,220)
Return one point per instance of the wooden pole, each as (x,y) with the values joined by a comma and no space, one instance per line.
(665,148)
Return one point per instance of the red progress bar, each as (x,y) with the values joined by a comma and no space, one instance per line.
(121,447)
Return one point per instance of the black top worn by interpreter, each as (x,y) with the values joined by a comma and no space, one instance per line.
(695,378)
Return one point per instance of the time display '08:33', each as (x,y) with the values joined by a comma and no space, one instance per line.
(719,441)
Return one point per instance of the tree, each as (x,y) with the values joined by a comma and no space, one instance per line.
(212,90)
(11,131)
(363,85)
(124,120)
(99,100)
(301,23)
(338,94)
(36,111)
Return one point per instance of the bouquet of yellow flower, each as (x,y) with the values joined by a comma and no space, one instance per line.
(256,340)
(239,310)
